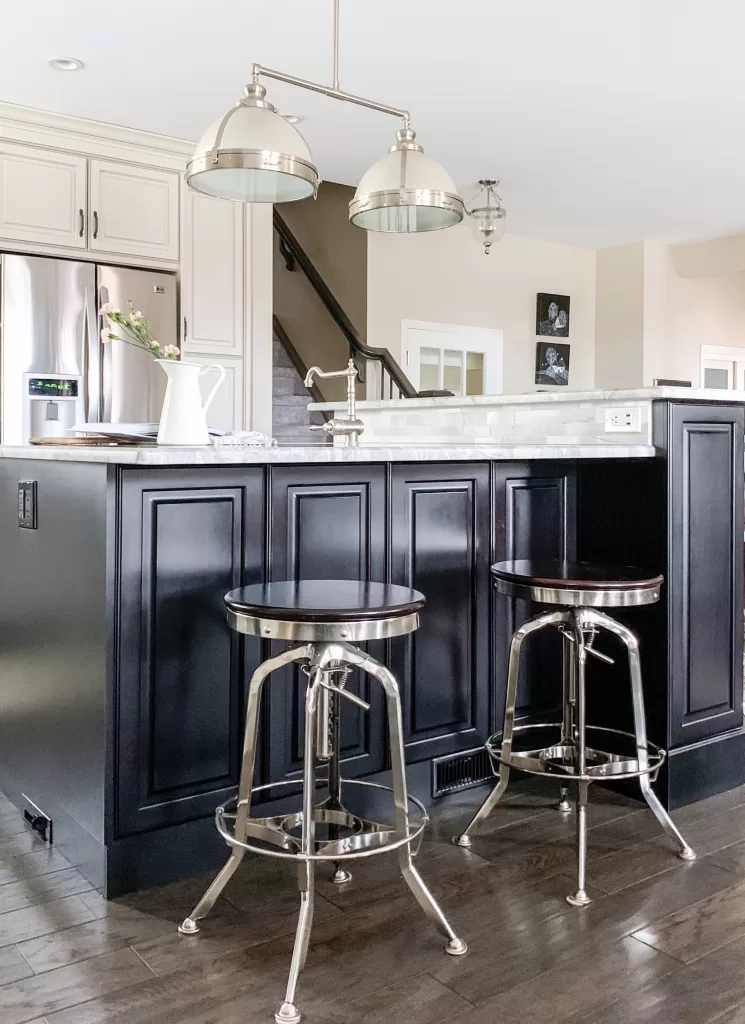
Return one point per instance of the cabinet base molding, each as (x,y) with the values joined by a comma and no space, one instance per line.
(703,769)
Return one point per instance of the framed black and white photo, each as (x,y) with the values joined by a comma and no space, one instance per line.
(551,363)
(552,315)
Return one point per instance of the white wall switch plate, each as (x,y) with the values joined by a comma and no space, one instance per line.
(625,420)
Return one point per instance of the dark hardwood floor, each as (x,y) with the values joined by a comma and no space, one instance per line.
(662,943)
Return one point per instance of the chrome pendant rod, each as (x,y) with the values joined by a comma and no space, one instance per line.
(328,90)
(336,44)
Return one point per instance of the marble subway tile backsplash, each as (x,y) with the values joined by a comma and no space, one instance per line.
(553,423)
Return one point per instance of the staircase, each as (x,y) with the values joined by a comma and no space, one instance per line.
(290,417)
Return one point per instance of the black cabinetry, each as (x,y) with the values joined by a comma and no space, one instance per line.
(534,513)
(440,545)
(326,522)
(186,537)
(705,570)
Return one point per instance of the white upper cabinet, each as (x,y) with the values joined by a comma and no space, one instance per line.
(42,196)
(134,210)
(212,275)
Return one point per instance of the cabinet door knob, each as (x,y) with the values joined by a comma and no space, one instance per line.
(82,223)
(95,223)
(186,328)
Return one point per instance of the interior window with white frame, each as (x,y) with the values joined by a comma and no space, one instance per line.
(451,357)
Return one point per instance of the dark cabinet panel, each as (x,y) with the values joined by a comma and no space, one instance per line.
(327,522)
(186,537)
(705,570)
(534,517)
(440,546)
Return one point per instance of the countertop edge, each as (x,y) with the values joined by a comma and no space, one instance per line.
(324,455)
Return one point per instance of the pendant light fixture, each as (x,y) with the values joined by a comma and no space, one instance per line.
(254,155)
(487,214)
(406,191)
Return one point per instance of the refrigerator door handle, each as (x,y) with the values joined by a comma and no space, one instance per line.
(91,357)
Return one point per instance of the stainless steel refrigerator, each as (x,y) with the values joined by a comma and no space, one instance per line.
(54,368)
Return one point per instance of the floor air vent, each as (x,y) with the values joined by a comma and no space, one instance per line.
(459,771)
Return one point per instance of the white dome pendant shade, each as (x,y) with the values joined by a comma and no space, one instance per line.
(253,155)
(406,191)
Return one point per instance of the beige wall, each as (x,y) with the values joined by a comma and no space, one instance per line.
(619,316)
(337,249)
(656,305)
(444,277)
(703,311)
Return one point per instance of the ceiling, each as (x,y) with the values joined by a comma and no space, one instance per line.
(607,121)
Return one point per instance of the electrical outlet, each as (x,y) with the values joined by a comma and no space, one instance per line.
(626,420)
(27,504)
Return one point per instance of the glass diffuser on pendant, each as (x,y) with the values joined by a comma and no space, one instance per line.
(487,214)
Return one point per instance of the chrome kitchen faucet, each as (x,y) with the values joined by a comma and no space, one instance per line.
(350,427)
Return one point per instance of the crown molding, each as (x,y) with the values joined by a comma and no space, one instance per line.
(93,138)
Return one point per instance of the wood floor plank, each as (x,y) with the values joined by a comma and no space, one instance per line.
(183,996)
(560,995)
(44,995)
(41,889)
(12,966)
(379,878)
(731,858)
(104,935)
(171,902)
(19,925)
(374,957)
(419,1000)
(698,993)
(20,842)
(536,943)
(714,832)
(29,865)
(701,928)
(630,864)
(171,952)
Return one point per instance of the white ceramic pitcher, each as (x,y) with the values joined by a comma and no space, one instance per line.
(182,421)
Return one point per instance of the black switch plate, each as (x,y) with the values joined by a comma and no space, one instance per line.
(27,504)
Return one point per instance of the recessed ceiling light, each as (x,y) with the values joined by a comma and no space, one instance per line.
(292,118)
(66,64)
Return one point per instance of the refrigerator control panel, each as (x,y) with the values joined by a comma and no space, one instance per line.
(52,387)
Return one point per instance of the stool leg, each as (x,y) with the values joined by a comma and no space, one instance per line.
(340,876)
(580,898)
(569,705)
(288,1012)
(237,853)
(425,899)
(513,674)
(640,729)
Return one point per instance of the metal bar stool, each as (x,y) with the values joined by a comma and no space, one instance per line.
(580,588)
(324,616)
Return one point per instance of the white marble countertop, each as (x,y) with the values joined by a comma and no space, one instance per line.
(556,395)
(409,452)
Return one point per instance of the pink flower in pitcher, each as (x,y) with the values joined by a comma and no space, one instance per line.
(106,308)
(171,351)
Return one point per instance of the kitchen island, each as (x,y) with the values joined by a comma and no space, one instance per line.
(122,688)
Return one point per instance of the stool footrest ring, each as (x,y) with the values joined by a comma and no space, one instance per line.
(559,758)
(281,833)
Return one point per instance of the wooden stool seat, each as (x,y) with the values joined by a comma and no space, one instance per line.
(577,584)
(324,601)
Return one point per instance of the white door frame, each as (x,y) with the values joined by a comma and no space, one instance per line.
(487,340)
(733,359)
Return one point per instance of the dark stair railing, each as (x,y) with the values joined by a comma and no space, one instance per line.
(391,374)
